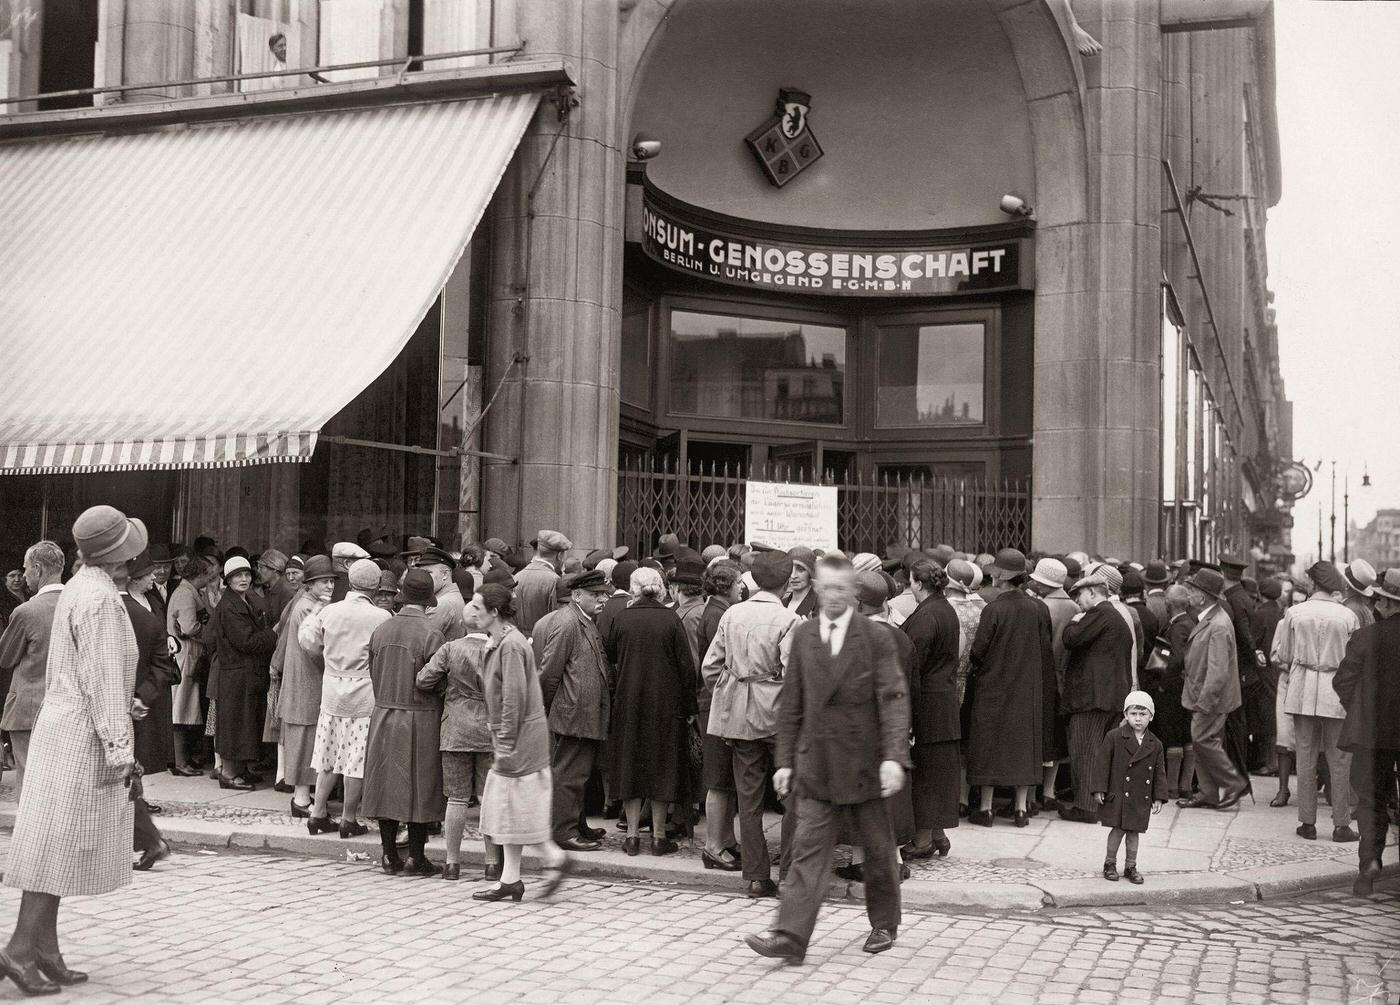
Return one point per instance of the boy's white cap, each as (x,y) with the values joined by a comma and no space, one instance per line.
(1141,698)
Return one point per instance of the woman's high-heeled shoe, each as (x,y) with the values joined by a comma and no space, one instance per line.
(632,846)
(504,891)
(942,846)
(1281,799)
(27,979)
(719,862)
(57,971)
(320,825)
(555,877)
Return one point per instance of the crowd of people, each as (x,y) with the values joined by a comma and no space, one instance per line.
(873,700)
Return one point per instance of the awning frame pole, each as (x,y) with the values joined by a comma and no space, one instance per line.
(350,441)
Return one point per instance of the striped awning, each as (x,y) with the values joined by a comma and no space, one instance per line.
(211,296)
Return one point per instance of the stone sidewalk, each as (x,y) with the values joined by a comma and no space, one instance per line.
(1197,856)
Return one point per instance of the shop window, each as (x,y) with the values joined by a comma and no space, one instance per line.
(750,368)
(1171,407)
(932,375)
(636,350)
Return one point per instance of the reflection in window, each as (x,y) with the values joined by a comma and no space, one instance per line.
(1171,406)
(636,350)
(931,375)
(754,368)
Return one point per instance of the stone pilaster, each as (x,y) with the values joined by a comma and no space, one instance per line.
(554,294)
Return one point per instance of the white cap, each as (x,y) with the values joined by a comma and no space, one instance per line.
(1141,698)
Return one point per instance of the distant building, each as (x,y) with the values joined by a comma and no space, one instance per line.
(1379,541)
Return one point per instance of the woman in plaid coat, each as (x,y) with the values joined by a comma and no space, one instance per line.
(72,833)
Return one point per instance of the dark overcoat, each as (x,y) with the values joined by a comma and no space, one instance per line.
(933,680)
(156,673)
(244,644)
(403,766)
(573,673)
(648,750)
(1011,658)
(1131,776)
(1100,652)
(841,716)
(1368,684)
(1172,723)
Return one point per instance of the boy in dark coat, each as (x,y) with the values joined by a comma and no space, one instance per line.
(1130,751)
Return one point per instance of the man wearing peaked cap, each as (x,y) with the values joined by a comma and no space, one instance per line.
(536,582)
(342,554)
(1368,684)
(1248,719)
(574,672)
(449,615)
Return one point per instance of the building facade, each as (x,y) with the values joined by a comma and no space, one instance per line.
(996,242)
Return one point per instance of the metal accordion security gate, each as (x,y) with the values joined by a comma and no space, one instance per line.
(705,505)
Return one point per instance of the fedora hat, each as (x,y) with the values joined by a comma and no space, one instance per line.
(388,582)
(667,546)
(416,588)
(1156,574)
(105,535)
(318,567)
(1360,576)
(1208,581)
(1388,585)
(689,571)
(1008,564)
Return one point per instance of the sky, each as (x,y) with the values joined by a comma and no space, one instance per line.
(1334,250)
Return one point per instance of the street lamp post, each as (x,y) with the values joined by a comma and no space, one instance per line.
(1332,520)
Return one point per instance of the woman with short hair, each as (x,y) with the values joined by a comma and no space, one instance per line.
(186,621)
(243,646)
(648,750)
(518,797)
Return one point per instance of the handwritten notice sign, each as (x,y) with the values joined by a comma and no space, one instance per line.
(785,515)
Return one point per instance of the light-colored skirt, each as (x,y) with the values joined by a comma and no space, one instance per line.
(185,705)
(340,745)
(516,809)
(1283,722)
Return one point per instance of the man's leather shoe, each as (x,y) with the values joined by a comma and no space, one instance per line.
(1196,802)
(879,940)
(150,857)
(1232,798)
(1131,874)
(57,971)
(1366,879)
(579,844)
(777,946)
(632,846)
(762,888)
(1110,871)
(1308,831)
(719,861)
(592,833)
(1342,835)
(1075,815)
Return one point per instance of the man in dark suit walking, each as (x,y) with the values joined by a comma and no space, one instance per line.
(843,746)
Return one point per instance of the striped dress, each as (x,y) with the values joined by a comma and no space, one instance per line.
(72,834)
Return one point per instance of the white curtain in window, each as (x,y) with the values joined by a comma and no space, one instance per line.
(452,26)
(350,34)
(255,54)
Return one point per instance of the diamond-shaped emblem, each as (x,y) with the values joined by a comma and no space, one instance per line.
(784,145)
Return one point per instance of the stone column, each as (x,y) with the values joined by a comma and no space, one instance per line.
(148,41)
(555,289)
(213,44)
(1097,305)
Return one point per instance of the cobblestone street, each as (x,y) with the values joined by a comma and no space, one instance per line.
(206,927)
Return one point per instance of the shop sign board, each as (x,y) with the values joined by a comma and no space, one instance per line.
(714,252)
(785,515)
